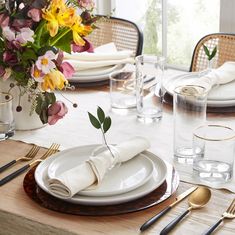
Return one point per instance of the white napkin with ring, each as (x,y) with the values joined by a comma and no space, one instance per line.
(90,173)
(222,75)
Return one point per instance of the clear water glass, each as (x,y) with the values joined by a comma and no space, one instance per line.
(7,125)
(122,89)
(189,107)
(214,147)
(149,70)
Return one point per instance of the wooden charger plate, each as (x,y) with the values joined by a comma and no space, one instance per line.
(167,189)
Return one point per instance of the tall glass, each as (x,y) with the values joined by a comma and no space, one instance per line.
(7,125)
(189,108)
(149,74)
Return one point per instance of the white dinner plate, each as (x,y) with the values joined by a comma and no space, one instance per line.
(219,96)
(121,179)
(158,177)
(95,75)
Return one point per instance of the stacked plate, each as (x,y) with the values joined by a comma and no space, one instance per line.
(219,96)
(95,74)
(129,181)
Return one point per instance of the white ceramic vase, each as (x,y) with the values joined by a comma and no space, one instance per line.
(23,119)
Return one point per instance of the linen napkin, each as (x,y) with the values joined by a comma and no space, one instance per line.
(222,75)
(90,173)
(104,55)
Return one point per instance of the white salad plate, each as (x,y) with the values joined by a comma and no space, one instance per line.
(158,176)
(94,75)
(219,96)
(121,179)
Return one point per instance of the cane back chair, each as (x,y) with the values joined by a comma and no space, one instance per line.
(125,34)
(225,50)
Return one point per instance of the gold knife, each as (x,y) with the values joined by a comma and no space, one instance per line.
(178,199)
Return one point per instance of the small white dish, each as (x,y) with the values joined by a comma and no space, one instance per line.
(121,179)
(219,96)
(158,177)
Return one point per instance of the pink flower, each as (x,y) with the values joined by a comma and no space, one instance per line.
(67,69)
(4,20)
(45,63)
(37,74)
(25,35)
(56,111)
(87,47)
(88,4)
(7,74)
(8,33)
(34,14)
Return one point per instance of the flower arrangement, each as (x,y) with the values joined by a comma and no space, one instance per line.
(33,36)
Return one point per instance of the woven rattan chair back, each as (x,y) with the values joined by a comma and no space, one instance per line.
(225,51)
(125,34)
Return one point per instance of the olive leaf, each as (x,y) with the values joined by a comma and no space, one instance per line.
(101,122)
(211,55)
(94,121)
(107,124)
(100,114)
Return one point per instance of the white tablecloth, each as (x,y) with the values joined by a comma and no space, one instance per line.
(76,130)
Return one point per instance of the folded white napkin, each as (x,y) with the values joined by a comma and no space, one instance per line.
(222,75)
(104,55)
(90,173)
(85,65)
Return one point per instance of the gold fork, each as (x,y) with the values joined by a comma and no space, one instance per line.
(53,149)
(29,156)
(228,214)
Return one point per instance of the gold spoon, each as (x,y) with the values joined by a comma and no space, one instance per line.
(199,198)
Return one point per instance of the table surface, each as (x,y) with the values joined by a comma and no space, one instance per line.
(19,214)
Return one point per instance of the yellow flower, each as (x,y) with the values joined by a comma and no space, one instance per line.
(53,80)
(78,30)
(58,14)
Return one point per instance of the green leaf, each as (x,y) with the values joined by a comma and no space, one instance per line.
(94,121)
(100,114)
(206,50)
(43,116)
(107,124)
(213,53)
(50,98)
(65,42)
(29,54)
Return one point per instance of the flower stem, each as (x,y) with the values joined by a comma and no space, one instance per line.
(105,141)
(59,36)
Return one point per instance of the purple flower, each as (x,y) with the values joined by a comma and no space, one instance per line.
(34,14)
(10,58)
(22,23)
(67,69)
(8,33)
(56,111)
(25,35)
(87,47)
(4,20)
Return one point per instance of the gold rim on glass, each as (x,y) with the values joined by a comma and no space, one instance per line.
(211,139)
(203,93)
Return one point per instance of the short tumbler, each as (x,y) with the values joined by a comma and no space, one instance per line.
(214,147)
(149,70)
(189,113)
(122,89)
(7,126)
